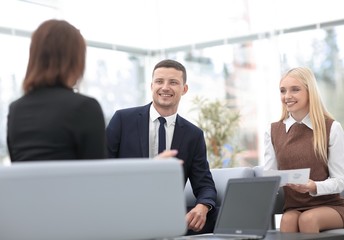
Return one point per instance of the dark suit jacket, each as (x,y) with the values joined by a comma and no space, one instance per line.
(128,137)
(54,123)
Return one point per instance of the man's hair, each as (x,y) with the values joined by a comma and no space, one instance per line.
(168,63)
(57,56)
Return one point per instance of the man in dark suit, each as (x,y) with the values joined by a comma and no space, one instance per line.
(133,133)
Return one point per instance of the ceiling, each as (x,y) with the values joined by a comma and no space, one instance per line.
(157,25)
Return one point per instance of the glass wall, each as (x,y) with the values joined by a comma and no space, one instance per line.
(249,74)
(13,59)
(246,72)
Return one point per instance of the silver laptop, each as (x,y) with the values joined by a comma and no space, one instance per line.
(246,209)
(97,199)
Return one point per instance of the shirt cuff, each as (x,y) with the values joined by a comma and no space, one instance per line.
(208,206)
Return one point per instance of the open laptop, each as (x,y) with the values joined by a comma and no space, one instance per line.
(246,209)
(89,200)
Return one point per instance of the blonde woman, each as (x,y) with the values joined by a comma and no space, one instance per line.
(307,136)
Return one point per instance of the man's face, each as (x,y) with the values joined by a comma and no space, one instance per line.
(167,88)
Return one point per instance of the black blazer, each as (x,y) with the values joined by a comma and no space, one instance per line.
(128,137)
(54,123)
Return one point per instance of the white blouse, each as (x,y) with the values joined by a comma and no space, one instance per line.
(335,183)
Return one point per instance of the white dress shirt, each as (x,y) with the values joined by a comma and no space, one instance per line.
(154,129)
(335,183)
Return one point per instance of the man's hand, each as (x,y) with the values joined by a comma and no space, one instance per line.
(197,217)
(168,154)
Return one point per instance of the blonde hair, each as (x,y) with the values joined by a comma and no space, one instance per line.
(317,111)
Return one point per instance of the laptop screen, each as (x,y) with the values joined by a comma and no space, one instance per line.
(95,199)
(247,206)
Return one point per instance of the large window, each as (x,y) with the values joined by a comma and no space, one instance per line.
(244,68)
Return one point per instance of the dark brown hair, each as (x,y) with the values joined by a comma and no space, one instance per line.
(168,63)
(57,56)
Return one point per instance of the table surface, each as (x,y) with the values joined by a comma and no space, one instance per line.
(276,235)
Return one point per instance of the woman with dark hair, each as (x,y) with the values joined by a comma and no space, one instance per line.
(50,121)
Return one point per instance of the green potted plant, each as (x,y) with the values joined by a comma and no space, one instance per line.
(220,124)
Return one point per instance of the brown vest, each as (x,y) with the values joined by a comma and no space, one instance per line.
(293,150)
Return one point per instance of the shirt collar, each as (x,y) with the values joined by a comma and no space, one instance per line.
(290,121)
(153,113)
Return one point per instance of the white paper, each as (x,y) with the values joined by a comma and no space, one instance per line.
(294,176)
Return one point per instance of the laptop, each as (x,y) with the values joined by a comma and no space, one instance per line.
(96,199)
(246,209)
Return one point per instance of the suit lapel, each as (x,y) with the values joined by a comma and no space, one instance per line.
(178,133)
(143,129)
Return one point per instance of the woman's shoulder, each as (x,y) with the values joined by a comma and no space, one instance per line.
(336,125)
(81,100)
(277,124)
(69,99)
